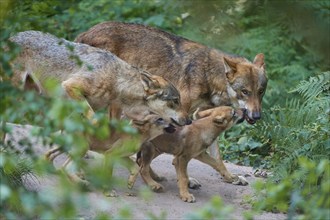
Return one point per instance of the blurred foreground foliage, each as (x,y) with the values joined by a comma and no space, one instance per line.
(304,194)
(292,139)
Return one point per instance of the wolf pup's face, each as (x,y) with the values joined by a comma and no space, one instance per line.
(247,85)
(152,124)
(164,99)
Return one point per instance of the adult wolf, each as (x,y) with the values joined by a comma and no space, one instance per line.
(204,76)
(101,79)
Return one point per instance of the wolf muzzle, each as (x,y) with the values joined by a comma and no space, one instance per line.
(252,117)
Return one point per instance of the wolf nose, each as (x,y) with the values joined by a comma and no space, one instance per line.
(256,115)
(188,122)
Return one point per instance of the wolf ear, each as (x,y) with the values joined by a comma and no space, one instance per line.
(195,114)
(202,114)
(259,60)
(138,122)
(30,84)
(149,81)
(230,64)
(219,119)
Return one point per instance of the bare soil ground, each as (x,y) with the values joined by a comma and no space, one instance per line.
(167,202)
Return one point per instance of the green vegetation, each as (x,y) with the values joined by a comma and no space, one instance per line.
(292,139)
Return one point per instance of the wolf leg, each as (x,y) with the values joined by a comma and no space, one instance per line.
(108,171)
(134,171)
(147,155)
(155,176)
(181,164)
(214,151)
(215,154)
(220,167)
(118,148)
(74,175)
(53,153)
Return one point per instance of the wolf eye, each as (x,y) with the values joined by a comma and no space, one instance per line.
(176,101)
(160,120)
(261,91)
(245,92)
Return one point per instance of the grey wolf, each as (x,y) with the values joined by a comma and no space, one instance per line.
(206,77)
(187,143)
(91,74)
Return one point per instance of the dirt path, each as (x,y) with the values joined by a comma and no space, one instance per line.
(167,202)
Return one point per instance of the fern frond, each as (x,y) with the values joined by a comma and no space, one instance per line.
(314,86)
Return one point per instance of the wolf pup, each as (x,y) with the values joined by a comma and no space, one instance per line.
(101,79)
(187,143)
(204,76)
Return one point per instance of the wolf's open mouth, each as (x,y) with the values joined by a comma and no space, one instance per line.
(170,129)
(240,120)
(249,120)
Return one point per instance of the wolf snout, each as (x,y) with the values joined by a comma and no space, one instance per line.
(181,121)
(256,115)
(252,117)
(188,121)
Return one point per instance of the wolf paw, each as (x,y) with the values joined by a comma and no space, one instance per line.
(78,180)
(131,181)
(131,194)
(188,198)
(110,193)
(194,183)
(261,173)
(240,180)
(81,175)
(157,188)
(130,184)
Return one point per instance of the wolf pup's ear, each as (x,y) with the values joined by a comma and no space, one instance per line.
(137,122)
(195,114)
(203,114)
(259,60)
(219,119)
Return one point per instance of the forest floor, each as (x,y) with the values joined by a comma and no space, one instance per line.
(163,205)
